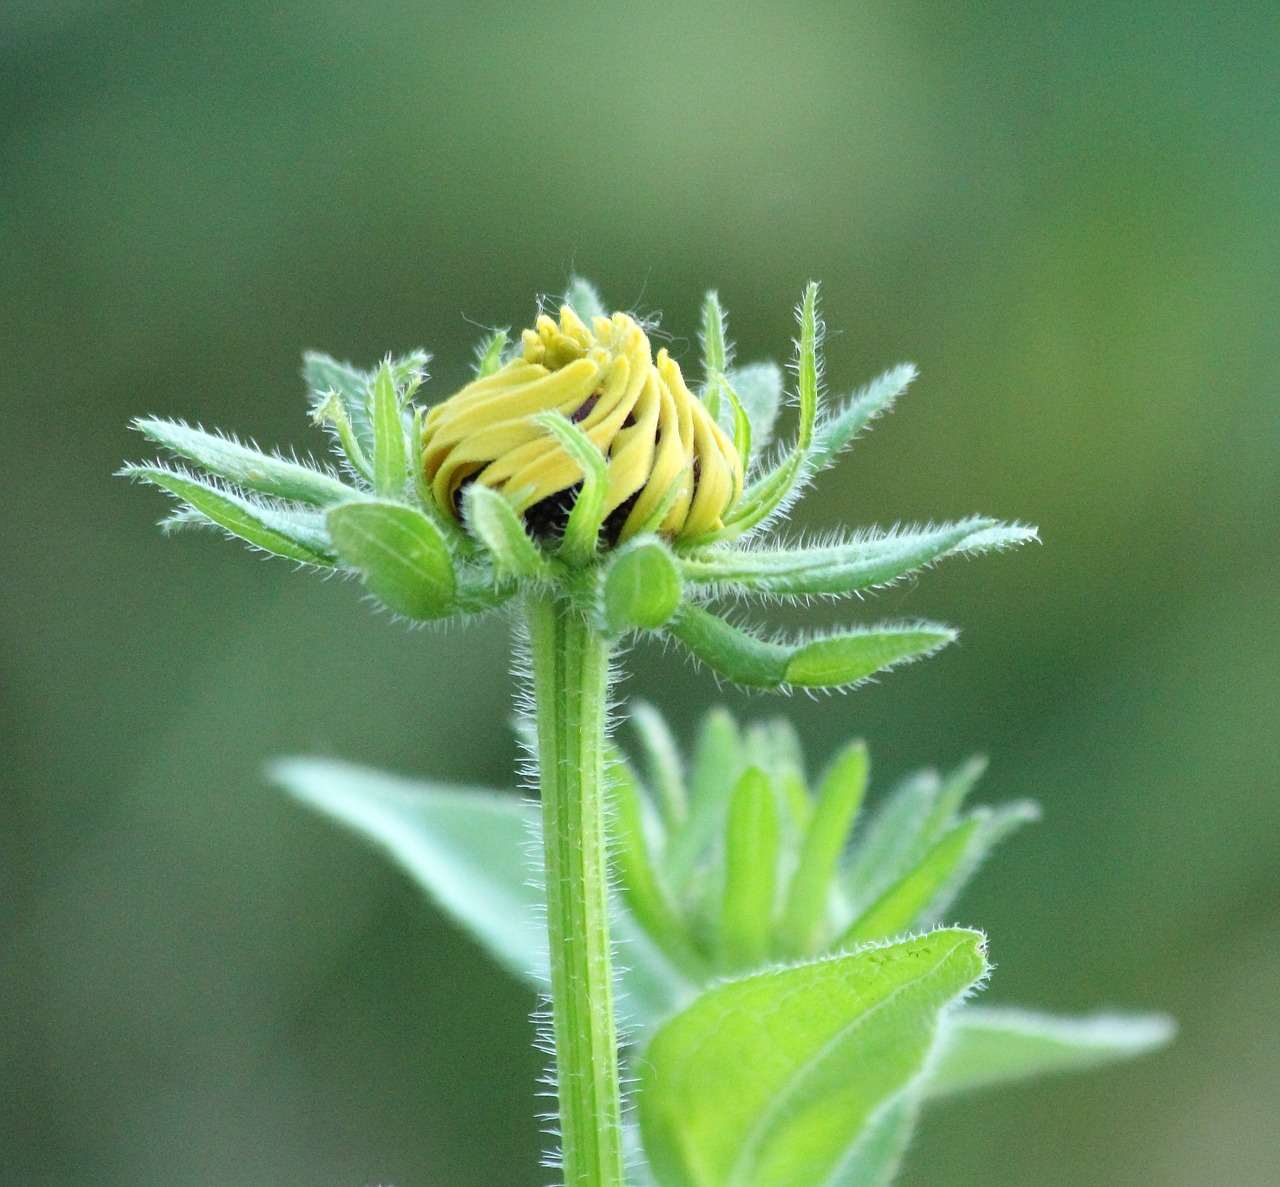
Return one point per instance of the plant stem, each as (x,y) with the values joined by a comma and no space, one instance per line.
(570,661)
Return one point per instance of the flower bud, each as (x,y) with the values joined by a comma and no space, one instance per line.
(671,469)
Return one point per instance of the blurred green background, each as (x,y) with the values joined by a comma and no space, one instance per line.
(1068,215)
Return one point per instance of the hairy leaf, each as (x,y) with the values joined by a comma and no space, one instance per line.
(769,1081)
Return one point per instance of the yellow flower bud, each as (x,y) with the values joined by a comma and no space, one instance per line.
(671,469)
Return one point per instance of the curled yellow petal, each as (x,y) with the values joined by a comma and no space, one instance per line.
(671,468)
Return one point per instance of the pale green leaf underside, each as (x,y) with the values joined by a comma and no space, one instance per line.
(469,849)
(987,1046)
(769,1081)
(477,854)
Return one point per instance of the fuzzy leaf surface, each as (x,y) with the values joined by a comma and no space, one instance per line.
(400,554)
(246,467)
(875,559)
(839,429)
(327,376)
(759,389)
(769,1081)
(295,534)
(985,1046)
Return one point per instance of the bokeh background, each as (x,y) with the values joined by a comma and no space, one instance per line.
(1068,214)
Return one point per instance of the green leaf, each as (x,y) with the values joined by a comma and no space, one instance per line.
(390,459)
(769,1081)
(293,533)
(717,765)
(327,377)
(476,853)
(890,843)
(663,766)
(876,1158)
(714,353)
(808,369)
(642,586)
(838,430)
(759,389)
(472,850)
(839,797)
(836,660)
(873,559)
(249,468)
(492,520)
(584,299)
(987,1046)
(400,554)
(752,844)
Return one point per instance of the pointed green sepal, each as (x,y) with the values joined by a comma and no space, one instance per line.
(837,431)
(489,353)
(714,353)
(390,457)
(758,387)
(873,559)
(771,1080)
(838,660)
(493,521)
(582,532)
(326,377)
(295,533)
(751,846)
(249,468)
(642,586)
(401,555)
(584,299)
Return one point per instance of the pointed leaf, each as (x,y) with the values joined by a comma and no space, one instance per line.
(642,586)
(872,560)
(664,766)
(876,1158)
(717,765)
(477,854)
(249,468)
(890,843)
(582,532)
(390,459)
(325,377)
(714,354)
(472,850)
(752,843)
(988,1046)
(400,554)
(769,1081)
(839,797)
(489,354)
(294,533)
(837,431)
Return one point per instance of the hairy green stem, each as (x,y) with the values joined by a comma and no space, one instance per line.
(570,662)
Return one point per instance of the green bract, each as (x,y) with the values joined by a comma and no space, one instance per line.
(374,514)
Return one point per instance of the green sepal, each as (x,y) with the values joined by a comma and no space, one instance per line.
(327,377)
(584,299)
(752,844)
(333,415)
(248,468)
(837,660)
(986,1046)
(872,559)
(401,555)
(582,532)
(769,1081)
(837,431)
(390,457)
(642,586)
(840,795)
(489,353)
(758,387)
(493,521)
(295,533)
(714,353)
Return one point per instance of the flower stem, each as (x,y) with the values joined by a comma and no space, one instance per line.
(570,662)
